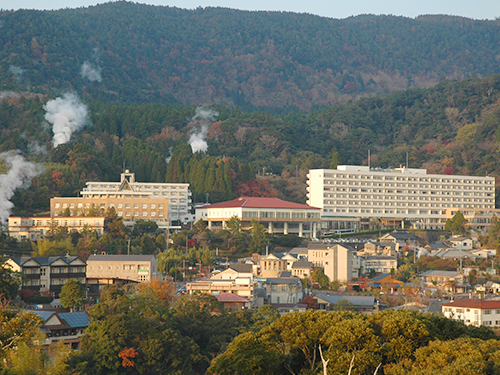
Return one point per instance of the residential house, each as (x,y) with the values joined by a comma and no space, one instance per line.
(137,268)
(444,279)
(233,302)
(302,269)
(243,287)
(378,264)
(48,274)
(401,239)
(235,271)
(379,248)
(385,281)
(461,243)
(364,304)
(474,312)
(68,327)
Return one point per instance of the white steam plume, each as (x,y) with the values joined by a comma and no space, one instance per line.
(91,72)
(19,176)
(17,71)
(67,115)
(203,116)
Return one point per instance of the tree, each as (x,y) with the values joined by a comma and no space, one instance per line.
(457,225)
(320,279)
(258,236)
(9,281)
(72,295)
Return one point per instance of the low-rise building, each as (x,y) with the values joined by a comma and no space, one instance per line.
(243,287)
(283,290)
(48,274)
(441,278)
(67,327)
(279,216)
(273,265)
(35,228)
(475,312)
(302,269)
(137,268)
(378,264)
(235,271)
(233,302)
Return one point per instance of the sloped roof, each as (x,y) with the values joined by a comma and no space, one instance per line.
(283,280)
(231,297)
(75,319)
(355,300)
(302,264)
(241,267)
(474,303)
(440,273)
(44,261)
(260,202)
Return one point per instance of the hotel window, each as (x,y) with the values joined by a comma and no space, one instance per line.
(160,213)
(152,205)
(119,205)
(144,205)
(127,213)
(160,206)
(127,205)
(136,213)
(57,205)
(144,213)
(136,205)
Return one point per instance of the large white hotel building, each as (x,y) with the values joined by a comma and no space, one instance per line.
(351,197)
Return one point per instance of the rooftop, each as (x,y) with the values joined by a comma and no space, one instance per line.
(260,202)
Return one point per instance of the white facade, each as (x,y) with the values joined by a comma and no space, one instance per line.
(178,194)
(474,312)
(401,193)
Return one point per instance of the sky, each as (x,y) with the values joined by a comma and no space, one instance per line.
(478,9)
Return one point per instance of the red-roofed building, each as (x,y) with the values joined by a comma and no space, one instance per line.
(233,301)
(277,215)
(473,311)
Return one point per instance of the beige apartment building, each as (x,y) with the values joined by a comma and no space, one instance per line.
(137,268)
(350,196)
(336,260)
(35,228)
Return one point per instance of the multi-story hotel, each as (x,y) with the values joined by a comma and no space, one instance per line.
(350,196)
(131,200)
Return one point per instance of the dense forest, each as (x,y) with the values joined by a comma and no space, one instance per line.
(452,128)
(128,53)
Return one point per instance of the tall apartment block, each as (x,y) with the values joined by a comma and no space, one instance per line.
(353,197)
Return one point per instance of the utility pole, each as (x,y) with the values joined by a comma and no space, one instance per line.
(128,247)
(184,269)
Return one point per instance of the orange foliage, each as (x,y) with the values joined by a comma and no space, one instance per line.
(56,177)
(164,290)
(125,354)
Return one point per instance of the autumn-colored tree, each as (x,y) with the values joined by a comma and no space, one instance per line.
(163,290)
(125,354)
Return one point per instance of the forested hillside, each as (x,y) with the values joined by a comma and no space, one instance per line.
(452,128)
(130,53)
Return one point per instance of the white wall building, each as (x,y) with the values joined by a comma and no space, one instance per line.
(473,311)
(398,195)
(337,261)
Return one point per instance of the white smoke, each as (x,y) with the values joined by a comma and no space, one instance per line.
(17,71)
(19,176)
(35,148)
(91,72)
(203,116)
(67,115)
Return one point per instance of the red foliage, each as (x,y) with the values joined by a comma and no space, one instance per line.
(449,170)
(25,294)
(56,177)
(256,188)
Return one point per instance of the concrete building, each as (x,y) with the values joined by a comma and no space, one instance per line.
(242,286)
(354,196)
(66,327)
(335,259)
(276,215)
(35,228)
(273,265)
(475,312)
(159,202)
(137,268)
(48,274)
(283,290)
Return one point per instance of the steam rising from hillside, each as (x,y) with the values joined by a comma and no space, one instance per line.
(203,117)
(67,115)
(19,176)
(91,72)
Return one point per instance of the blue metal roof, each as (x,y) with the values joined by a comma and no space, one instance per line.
(75,319)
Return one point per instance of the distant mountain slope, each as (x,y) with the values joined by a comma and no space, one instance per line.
(250,59)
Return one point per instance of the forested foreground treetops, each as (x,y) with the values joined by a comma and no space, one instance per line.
(149,331)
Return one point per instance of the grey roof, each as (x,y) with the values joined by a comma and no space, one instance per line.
(381,257)
(121,258)
(241,267)
(286,274)
(45,261)
(298,251)
(454,254)
(380,277)
(302,264)
(440,273)
(321,246)
(457,239)
(75,319)
(45,315)
(283,280)
(355,300)
(402,235)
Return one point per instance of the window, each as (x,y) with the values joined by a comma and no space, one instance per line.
(487,312)
(144,205)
